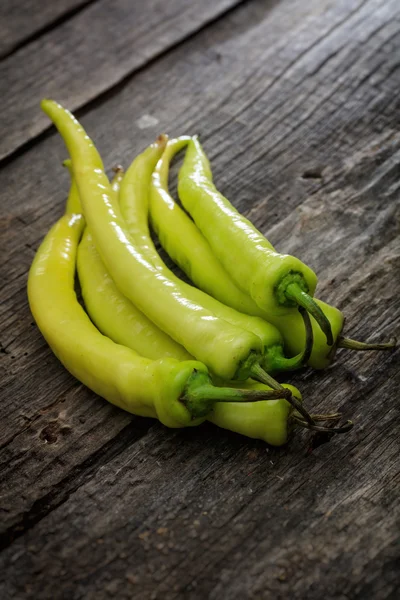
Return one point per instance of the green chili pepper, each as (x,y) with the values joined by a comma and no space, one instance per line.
(189,249)
(229,351)
(179,394)
(276,282)
(134,207)
(113,314)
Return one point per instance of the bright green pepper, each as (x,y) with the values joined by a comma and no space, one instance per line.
(276,282)
(189,249)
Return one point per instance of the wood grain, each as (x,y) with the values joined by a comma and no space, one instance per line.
(23,20)
(296,104)
(89,54)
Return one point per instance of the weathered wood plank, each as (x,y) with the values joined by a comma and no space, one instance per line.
(198,514)
(322,96)
(89,54)
(21,20)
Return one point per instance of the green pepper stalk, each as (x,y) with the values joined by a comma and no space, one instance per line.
(276,282)
(179,394)
(292,330)
(189,249)
(271,421)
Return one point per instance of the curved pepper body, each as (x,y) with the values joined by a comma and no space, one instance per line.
(186,245)
(224,348)
(114,315)
(267,421)
(244,252)
(118,374)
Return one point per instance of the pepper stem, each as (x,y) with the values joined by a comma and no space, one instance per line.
(200,395)
(350,344)
(294,292)
(258,373)
(281,363)
(342,429)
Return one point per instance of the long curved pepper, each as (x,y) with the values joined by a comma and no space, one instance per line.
(189,249)
(113,314)
(276,282)
(227,350)
(179,394)
(184,243)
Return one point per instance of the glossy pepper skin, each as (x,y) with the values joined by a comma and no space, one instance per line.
(244,252)
(134,204)
(197,191)
(113,314)
(189,249)
(176,393)
(268,421)
(184,243)
(227,350)
(277,283)
(118,374)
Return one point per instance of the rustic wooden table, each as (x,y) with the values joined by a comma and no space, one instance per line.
(297,103)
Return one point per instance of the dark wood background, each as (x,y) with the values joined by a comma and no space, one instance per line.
(297,103)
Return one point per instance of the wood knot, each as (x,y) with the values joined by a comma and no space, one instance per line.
(313,172)
(52,431)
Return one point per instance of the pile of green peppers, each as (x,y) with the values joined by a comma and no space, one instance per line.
(155,345)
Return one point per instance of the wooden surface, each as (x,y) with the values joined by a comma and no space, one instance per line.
(297,104)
